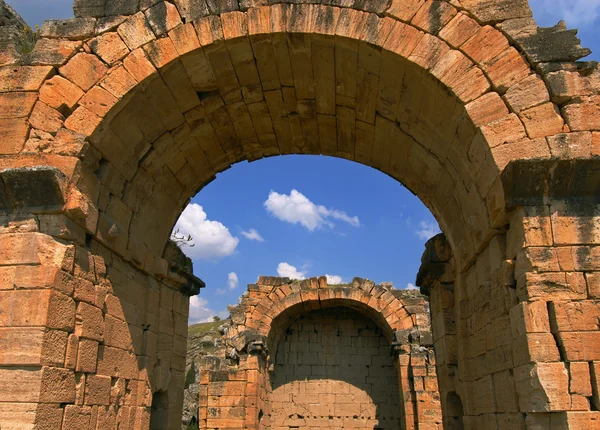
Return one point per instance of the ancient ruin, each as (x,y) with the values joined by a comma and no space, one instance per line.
(119,116)
(305,354)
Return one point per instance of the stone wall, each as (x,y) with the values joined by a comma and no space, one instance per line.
(275,323)
(118,117)
(334,369)
(85,339)
(513,333)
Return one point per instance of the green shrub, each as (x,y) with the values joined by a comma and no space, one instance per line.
(193,426)
(190,376)
(27,39)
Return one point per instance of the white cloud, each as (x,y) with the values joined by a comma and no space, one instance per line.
(253,235)
(573,12)
(211,238)
(232,283)
(288,271)
(427,230)
(232,280)
(411,286)
(200,312)
(334,279)
(298,209)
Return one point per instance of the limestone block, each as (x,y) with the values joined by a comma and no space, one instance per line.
(543,120)
(121,7)
(13,133)
(507,69)
(45,118)
(53,52)
(30,415)
(494,10)
(487,108)
(89,322)
(593,283)
(117,333)
(71,352)
(23,78)
(530,226)
(72,29)
(580,382)
(552,286)
(567,84)
(89,8)
(574,316)
(192,9)
(404,10)
(57,385)
(433,16)
(504,130)
(584,114)
(543,387)
(21,346)
(98,101)
(163,18)
(535,348)
(543,45)
(76,417)
(575,420)
(16,104)
(60,93)
(97,390)
(87,356)
(571,145)
(117,363)
(529,317)
(580,346)
(575,223)
(136,31)
(530,92)
(107,418)
(504,388)
(459,30)
(109,46)
(486,44)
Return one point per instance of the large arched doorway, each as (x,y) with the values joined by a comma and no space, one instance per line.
(310,354)
(334,368)
(104,142)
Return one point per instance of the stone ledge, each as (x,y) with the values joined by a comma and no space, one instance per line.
(536,182)
(39,188)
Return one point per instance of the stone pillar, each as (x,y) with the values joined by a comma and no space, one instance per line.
(37,325)
(556,252)
(436,279)
(88,339)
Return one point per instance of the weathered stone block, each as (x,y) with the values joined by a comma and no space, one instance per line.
(97,390)
(89,322)
(543,387)
(72,29)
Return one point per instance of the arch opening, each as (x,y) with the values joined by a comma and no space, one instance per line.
(334,368)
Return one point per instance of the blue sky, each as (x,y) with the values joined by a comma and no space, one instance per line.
(308,216)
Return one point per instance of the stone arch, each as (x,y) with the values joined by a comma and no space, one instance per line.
(447,113)
(273,304)
(497,134)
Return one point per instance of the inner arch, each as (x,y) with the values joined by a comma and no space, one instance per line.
(333,368)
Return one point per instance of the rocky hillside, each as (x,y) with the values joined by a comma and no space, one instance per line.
(203,339)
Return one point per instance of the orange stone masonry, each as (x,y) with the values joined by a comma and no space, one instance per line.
(305,354)
(121,115)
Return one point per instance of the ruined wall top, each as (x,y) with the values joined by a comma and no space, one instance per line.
(513,17)
(268,307)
